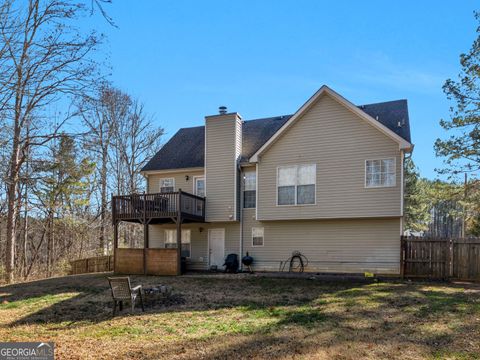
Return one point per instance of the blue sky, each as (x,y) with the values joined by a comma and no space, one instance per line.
(263,58)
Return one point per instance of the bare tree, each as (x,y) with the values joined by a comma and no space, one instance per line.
(100,116)
(136,141)
(43,58)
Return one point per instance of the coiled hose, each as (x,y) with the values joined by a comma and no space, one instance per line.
(296,263)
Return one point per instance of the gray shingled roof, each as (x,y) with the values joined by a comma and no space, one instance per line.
(186,148)
(392,114)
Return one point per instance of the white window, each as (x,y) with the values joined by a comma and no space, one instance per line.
(171,241)
(296,184)
(380,173)
(199,186)
(257,236)
(167,185)
(249,189)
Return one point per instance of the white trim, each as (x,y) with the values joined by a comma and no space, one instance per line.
(169,171)
(205,168)
(221,115)
(208,243)
(402,181)
(353,217)
(403,144)
(296,166)
(195,178)
(235,171)
(166,178)
(256,193)
(263,236)
(380,186)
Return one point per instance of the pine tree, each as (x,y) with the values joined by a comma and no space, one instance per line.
(462,149)
(416,203)
(62,186)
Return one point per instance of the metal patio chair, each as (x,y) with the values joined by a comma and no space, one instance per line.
(122,290)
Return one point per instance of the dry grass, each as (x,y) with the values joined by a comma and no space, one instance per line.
(248,317)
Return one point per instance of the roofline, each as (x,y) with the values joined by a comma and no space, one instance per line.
(403,144)
(169,171)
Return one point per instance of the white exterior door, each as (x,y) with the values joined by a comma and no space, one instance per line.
(216,247)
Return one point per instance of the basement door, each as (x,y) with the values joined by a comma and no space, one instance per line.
(216,247)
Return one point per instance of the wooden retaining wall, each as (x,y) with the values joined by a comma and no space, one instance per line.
(158,261)
(161,261)
(440,258)
(129,261)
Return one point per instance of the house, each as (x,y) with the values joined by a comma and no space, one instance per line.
(326,181)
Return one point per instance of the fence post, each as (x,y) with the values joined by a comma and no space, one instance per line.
(402,257)
(450,258)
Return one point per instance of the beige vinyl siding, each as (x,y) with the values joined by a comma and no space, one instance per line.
(199,240)
(338,142)
(344,246)
(238,154)
(153,180)
(220,166)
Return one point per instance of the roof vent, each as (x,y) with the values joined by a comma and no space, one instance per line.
(222,110)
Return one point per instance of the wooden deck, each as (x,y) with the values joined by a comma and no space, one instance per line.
(158,207)
(147,209)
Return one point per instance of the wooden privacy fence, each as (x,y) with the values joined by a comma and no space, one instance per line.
(91,265)
(440,258)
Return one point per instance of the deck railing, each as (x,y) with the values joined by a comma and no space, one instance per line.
(158,205)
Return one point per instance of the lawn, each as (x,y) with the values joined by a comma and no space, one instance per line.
(245,316)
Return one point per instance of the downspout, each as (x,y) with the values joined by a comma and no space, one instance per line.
(402,190)
(241,217)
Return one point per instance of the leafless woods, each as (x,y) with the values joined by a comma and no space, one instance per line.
(68,138)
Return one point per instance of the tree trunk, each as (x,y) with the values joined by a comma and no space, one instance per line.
(25,233)
(50,244)
(103,205)
(12,209)
(11,232)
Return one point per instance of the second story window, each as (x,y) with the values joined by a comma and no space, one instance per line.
(167,185)
(249,189)
(296,184)
(380,173)
(199,188)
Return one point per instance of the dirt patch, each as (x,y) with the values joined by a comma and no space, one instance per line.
(242,316)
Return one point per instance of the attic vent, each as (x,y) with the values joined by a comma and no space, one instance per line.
(222,110)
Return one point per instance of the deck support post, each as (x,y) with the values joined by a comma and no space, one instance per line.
(115,244)
(145,235)
(145,246)
(179,233)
